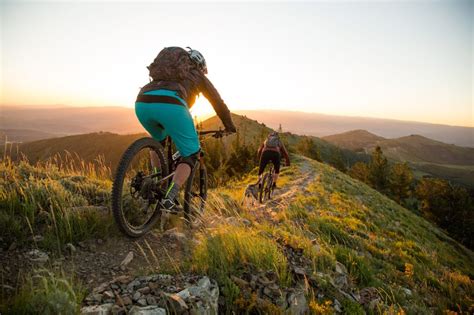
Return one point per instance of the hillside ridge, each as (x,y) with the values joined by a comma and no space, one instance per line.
(348,241)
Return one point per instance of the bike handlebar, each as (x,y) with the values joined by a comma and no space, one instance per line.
(215,133)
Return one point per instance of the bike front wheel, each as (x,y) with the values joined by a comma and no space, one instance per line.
(139,186)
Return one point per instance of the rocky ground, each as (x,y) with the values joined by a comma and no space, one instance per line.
(96,260)
(154,294)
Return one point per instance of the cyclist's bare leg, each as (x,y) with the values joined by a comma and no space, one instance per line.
(275,178)
(181,174)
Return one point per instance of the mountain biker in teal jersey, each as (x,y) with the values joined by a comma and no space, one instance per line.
(162,107)
(271,150)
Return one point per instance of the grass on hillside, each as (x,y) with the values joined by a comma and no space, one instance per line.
(46,292)
(413,265)
(52,202)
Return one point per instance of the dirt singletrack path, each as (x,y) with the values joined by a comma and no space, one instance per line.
(283,196)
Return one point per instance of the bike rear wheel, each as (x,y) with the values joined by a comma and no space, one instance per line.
(269,188)
(138,188)
(262,192)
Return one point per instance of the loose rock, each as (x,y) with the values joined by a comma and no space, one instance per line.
(297,303)
(70,248)
(38,256)
(103,309)
(175,303)
(127,259)
(147,310)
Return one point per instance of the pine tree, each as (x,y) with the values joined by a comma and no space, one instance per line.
(449,206)
(308,148)
(378,170)
(400,180)
(360,171)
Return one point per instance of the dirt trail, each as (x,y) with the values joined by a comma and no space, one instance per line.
(284,195)
(96,260)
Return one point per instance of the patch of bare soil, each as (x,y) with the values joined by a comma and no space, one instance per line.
(96,260)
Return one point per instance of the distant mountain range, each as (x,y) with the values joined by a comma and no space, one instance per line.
(425,155)
(25,135)
(59,121)
(324,125)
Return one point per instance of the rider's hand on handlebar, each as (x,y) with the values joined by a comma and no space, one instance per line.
(230,129)
(227,131)
(219,134)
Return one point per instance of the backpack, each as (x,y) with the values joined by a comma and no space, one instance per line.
(273,141)
(171,64)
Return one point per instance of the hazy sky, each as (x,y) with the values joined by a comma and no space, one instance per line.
(410,60)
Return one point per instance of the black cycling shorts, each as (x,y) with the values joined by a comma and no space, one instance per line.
(270,156)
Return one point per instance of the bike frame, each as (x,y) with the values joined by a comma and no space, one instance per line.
(174,156)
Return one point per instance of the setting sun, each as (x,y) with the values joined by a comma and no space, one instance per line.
(202,109)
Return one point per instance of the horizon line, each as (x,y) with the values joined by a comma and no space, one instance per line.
(62,106)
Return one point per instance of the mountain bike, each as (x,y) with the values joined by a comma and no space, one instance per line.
(266,186)
(140,184)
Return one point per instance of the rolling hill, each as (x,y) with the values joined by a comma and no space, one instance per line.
(356,140)
(25,135)
(420,149)
(253,130)
(426,156)
(324,125)
(71,120)
(111,146)
(85,147)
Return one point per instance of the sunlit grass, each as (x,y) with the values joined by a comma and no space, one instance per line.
(230,250)
(46,292)
(380,243)
(332,219)
(44,200)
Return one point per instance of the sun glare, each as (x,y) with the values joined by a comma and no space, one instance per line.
(202,109)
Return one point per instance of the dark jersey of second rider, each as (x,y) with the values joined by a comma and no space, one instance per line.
(272,154)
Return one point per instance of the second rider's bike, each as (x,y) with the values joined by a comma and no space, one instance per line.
(141,180)
(265,190)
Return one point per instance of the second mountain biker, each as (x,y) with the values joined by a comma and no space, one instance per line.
(271,150)
(162,107)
